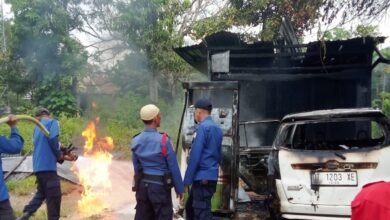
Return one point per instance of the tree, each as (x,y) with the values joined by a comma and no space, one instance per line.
(143,30)
(340,33)
(380,77)
(12,72)
(52,59)
(148,30)
(267,15)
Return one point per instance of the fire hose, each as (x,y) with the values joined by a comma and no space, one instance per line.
(30,119)
(24,118)
(64,150)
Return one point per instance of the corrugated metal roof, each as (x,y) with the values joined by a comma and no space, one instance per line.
(267,57)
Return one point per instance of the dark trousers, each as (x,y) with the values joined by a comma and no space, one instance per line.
(6,211)
(49,189)
(154,202)
(198,206)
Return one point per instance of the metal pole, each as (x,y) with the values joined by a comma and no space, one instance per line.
(181,121)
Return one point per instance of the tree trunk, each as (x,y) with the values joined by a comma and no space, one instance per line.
(172,86)
(173,91)
(153,88)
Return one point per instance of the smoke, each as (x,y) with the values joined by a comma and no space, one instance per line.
(251,135)
(257,104)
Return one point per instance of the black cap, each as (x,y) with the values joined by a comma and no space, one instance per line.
(203,104)
(42,111)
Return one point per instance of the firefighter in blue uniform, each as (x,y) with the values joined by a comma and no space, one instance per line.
(203,164)
(156,169)
(13,145)
(46,154)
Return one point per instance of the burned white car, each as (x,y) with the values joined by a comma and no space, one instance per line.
(322,159)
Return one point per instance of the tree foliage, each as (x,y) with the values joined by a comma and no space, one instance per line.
(380,79)
(348,10)
(12,70)
(48,61)
(267,15)
(340,33)
(148,30)
(51,59)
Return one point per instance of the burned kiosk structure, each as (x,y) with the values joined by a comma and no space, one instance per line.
(254,85)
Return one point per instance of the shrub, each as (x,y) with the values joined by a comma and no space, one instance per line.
(70,130)
(119,119)
(26,130)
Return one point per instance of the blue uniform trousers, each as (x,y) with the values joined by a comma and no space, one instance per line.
(198,206)
(49,189)
(154,202)
(6,211)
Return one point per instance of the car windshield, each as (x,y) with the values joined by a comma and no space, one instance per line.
(342,134)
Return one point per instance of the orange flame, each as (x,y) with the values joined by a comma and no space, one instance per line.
(94,174)
(90,135)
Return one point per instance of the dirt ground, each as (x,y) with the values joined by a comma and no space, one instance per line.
(121,200)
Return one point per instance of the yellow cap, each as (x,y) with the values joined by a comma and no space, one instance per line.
(149,112)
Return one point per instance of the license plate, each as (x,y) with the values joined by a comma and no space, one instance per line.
(334,178)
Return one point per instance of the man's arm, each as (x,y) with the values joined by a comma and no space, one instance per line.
(136,163)
(196,151)
(54,141)
(174,168)
(13,145)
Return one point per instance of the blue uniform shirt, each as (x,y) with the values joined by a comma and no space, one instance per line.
(9,146)
(205,153)
(147,155)
(46,150)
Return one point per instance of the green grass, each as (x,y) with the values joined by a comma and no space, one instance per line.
(94,217)
(66,187)
(39,215)
(22,187)
(26,130)
(119,119)
(27,186)
(70,130)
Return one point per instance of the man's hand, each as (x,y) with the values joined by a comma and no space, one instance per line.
(61,158)
(180,196)
(186,189)
(70,157)
(67,153)
(12,121)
